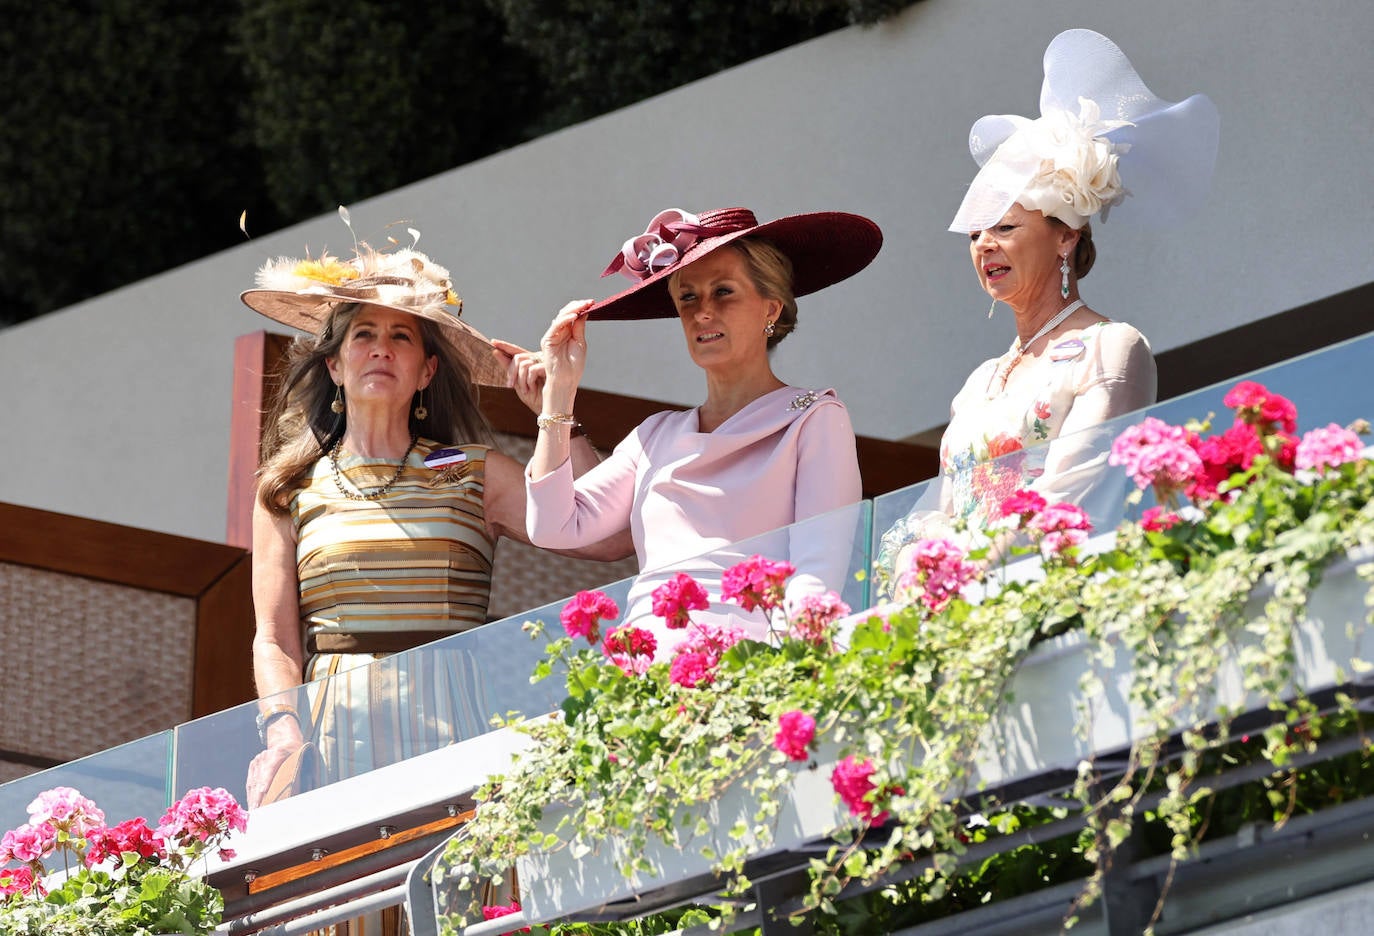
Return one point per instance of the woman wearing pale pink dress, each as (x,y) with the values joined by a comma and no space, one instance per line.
(757,455)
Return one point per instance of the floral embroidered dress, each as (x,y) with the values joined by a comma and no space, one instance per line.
(1036,434)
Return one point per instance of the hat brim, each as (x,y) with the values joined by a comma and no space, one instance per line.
(825,247)
(308,313)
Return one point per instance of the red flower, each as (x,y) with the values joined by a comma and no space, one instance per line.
(1002,444)
(630,648)
(1022,503)
(795,731)
(1256,405)
(853,781)
(1222,456)
(583,613)
(676,597)
(492,912)
(19,881)
(132,835)
(755,583)
(1159,519)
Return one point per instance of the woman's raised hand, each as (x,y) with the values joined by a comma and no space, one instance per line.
(563,350)
(524,372)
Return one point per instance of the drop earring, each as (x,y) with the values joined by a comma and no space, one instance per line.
(769,329)
(420,412)
(1064,277)
(992,308)
(337,406)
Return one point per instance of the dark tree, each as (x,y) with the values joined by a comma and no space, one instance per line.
(598,55)
(350,100)
(120,153)
(136,131)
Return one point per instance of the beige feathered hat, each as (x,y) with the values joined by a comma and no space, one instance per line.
(302,293)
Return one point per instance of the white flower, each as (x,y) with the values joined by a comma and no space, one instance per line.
(1078,173)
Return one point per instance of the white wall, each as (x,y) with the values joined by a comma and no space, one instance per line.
(118,408)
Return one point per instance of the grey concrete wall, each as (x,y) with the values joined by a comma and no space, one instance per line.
(118,408)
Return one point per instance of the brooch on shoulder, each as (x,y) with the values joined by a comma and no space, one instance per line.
(449,465)
(802,400)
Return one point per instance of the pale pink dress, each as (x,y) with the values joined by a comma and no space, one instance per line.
(787,456)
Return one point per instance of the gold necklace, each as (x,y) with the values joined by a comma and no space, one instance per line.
(349,490)
(1023,346)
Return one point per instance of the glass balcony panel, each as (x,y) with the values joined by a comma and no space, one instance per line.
(134,779)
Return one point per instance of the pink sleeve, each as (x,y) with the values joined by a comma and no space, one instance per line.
(827,461)
(561,513)
(827,479)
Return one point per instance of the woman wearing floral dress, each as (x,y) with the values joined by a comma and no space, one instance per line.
(1024,419)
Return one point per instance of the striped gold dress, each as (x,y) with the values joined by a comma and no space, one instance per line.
(381,576)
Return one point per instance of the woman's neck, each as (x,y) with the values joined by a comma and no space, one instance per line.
(373,435)
(1032,318)
(726,395)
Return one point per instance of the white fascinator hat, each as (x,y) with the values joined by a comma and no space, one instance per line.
(1102,140)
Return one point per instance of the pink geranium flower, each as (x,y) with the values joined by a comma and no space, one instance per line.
(1023,503)
(1060,527)
(29,842)
(1328,447)
(1255,404)
(66,810)
(691,669)
(585,611)
(678,596)
(1059,517)
(938,573)
(795,731)
(1055,542)
(496,911)
(756,583)
(630,648)
(698,656)
(202,814)
(132,835)
(1159,519)
(853,781)
(19,881)
(815,616)
(1157,454)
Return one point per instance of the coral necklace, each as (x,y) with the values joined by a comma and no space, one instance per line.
(1021,347)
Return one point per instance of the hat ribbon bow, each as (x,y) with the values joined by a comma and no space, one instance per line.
(668,236)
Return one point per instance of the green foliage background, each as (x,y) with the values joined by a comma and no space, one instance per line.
(136,131)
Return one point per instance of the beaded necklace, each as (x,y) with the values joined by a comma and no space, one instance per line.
(349,490)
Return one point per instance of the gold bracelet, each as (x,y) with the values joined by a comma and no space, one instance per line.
(546,420)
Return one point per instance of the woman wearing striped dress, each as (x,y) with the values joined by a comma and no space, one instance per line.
(377,512)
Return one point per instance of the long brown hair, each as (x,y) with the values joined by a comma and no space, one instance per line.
(301,426)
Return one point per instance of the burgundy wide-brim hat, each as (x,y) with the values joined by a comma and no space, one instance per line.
(825,247)
(304,293)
